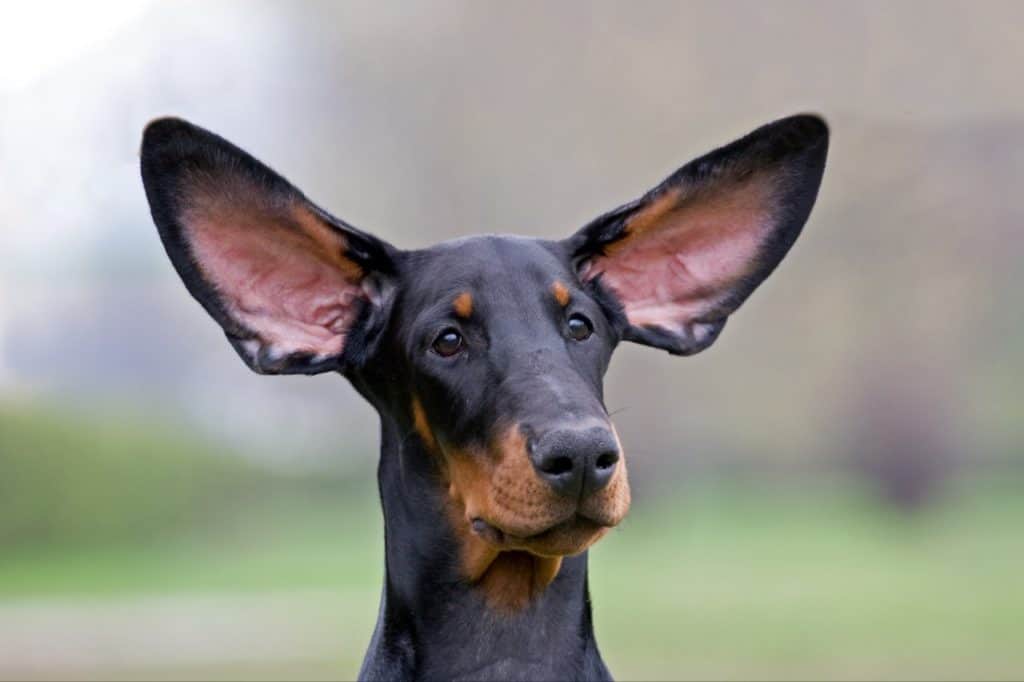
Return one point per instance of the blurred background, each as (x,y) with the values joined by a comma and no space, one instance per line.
(834,491)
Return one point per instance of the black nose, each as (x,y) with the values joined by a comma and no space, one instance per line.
(575,462)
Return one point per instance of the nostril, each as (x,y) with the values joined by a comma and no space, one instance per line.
(557,465)
(606,460)
(602,471)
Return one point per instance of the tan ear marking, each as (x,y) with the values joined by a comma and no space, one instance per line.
(463,305)
(560,292)
(651,215)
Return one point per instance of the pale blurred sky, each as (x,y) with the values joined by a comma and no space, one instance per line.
(37,38)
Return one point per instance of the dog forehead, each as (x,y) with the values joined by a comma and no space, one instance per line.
(487,265)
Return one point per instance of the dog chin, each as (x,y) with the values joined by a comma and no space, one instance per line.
(562,539)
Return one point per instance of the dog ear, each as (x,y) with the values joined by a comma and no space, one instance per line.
(295,289)
(674,264)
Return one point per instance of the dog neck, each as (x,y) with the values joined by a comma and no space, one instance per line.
(433,623)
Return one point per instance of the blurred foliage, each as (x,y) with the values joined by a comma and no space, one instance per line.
(69,477)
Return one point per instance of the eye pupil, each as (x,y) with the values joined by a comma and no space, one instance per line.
(580,327)
(448,343)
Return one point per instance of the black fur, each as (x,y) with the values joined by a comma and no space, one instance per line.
(519,366)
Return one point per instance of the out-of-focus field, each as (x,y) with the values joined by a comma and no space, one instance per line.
(805,579)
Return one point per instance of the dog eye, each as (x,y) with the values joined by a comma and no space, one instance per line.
(448,343)
(580,327)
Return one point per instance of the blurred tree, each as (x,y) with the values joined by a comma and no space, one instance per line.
(902,434)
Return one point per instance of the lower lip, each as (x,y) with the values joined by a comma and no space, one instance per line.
(497,536)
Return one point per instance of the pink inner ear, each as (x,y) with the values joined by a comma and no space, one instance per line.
(685,251)
(280,272)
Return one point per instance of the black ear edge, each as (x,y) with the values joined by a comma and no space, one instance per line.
(696,337)
(790,139)
(801,143)
(165,143)
(172,145)
(263,362)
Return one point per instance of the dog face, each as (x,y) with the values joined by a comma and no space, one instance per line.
(490,350)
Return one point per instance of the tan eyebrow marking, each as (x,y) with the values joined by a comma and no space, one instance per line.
(463,305)
(560,292)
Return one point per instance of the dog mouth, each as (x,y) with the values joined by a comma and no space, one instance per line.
(565,538)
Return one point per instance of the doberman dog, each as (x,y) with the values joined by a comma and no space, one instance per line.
(484,356)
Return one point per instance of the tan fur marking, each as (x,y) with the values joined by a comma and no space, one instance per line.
(530,527)
(332,244)
(560,292)
(651,216)
(463,305)
(516,578)
(422,426)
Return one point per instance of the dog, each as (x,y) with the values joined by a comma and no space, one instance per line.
(484,356)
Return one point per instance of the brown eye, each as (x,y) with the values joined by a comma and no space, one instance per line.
(580,327)
(448,343)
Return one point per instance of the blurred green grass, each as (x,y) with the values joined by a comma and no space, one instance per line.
(711,579)
(725,583)
(817,583)
(81,475)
